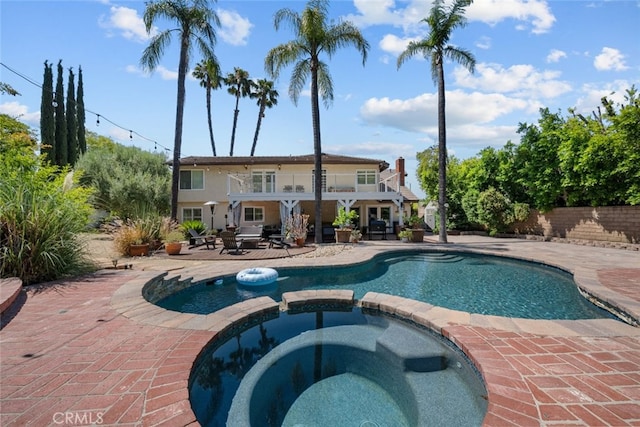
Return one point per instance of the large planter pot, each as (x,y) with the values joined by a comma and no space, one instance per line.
(139,250)
(300,241)
(173,248)
(342,236)
(417,235)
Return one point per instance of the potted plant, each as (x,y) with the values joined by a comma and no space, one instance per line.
(134,237)
(405,235)
(415,224)
(344,222)
(296,228)
(173,242)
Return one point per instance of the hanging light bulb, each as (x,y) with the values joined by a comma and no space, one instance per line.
(130,135)
(98,120)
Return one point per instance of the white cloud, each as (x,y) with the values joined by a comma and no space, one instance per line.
(234,29)
(20,112)
(419,114)
(395,45)
(556,55)
(519,80)
(127,23)
(533,13)
(610,59)
(530,14)
(483,43)
(592,94)
(368,148)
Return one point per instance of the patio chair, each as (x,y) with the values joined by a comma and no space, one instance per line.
(201,239)
(278,243)
(230,243)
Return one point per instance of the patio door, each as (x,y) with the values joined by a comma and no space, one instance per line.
(381,212)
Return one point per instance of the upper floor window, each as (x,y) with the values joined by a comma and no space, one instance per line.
(191,180)
(366,177)
(263,181)
(253,214)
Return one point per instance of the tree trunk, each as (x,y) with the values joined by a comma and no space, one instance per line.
(177,144)
(317,149)
(235,122)
(213,144)
(255,137)
(442,156)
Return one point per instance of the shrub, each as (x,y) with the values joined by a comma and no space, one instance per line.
(199,226)
(39,225)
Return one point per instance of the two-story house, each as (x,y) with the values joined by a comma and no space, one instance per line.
(234,191)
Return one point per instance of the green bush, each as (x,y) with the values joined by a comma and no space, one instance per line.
(199,226)
(40,219)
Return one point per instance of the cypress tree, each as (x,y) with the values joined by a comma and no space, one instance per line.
(47,121)
(61,123)
(72,124)
(82,137)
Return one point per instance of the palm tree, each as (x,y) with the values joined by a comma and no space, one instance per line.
(267,97)
(442,21)
(314,36)
(195,27)
(239,86)
(208,72)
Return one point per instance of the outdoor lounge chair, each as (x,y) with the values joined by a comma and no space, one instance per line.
(230,243)
(201,239)
(278,243)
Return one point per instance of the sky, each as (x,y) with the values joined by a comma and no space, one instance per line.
(529,55)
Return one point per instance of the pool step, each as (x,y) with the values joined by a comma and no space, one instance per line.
(441,257)
(415,351)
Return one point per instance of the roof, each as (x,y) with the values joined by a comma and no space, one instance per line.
(327,159)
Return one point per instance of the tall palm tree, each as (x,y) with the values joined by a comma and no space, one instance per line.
(208,72)
(195,27)
(239,86)
(314,35)
(267,97)
(435,46)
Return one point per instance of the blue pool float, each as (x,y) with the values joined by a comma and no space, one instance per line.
(257,276)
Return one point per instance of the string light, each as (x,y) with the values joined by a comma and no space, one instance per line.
(98,116)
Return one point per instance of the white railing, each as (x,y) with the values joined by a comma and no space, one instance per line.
(304,183)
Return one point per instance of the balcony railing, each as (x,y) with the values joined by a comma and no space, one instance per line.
(304,183)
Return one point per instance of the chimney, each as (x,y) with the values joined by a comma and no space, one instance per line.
(400,170)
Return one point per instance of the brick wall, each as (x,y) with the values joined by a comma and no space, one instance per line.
(609,223)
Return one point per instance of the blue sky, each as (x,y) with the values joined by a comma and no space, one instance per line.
(530,54)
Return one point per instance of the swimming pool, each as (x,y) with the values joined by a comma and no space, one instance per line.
(346,368)
(475,283)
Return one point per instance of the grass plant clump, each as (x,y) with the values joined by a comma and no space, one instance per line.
(41,216)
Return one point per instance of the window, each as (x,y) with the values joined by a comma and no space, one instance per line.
(191,214)
(191,180)
(263,181)
(366,177)
(253,214)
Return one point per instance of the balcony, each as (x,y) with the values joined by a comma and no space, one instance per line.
(277,186)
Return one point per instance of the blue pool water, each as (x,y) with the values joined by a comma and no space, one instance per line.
(473,283)
(335,368)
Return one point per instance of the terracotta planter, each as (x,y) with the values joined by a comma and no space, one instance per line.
(173,248)
(417,235)
(342,236)
(300,241)
(139,250)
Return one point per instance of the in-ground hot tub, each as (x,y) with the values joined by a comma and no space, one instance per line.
(364,370)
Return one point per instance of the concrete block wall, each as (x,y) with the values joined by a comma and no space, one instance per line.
(609,223)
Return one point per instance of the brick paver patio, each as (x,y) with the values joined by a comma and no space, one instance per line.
(73,353)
